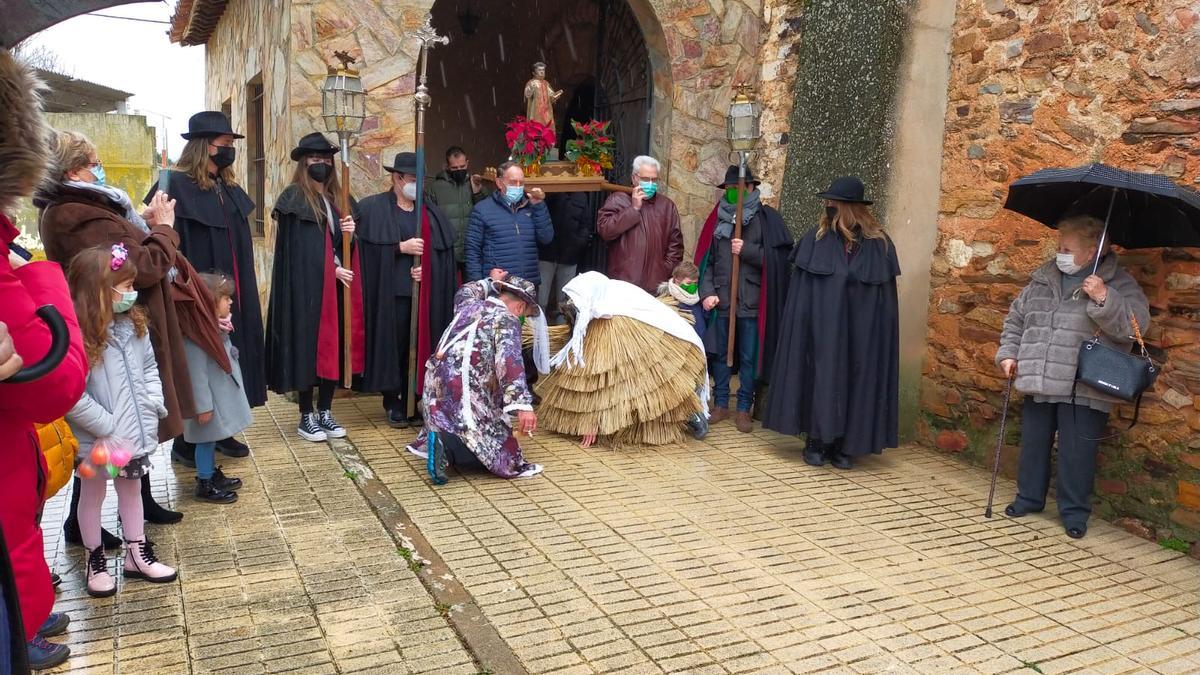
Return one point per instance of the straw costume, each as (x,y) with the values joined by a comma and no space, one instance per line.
(602,381)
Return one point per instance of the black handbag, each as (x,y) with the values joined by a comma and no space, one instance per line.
(1122,375)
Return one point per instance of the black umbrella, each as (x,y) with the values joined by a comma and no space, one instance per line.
(1140,210)
(23,18)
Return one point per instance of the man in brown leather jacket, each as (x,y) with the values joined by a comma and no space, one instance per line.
(642,230)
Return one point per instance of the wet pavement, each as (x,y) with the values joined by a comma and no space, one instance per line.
(724,556)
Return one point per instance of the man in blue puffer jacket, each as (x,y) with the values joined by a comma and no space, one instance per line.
(505,229)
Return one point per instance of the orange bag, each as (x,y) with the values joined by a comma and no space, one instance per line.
(59,446)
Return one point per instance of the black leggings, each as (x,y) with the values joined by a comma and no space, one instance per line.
(324,397)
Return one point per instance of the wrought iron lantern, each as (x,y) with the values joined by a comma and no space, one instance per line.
(343,101)
(742,124)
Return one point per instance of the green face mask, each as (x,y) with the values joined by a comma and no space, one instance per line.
(731,194)
(689,288)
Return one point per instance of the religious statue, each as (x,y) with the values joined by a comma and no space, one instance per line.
(540,97)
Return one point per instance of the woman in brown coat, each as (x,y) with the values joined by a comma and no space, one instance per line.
(78,212)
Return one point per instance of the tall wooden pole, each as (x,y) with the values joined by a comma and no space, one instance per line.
(347,262)
(737,264)
(429,38)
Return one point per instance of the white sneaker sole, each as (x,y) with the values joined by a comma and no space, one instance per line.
(315,438)
(335,433)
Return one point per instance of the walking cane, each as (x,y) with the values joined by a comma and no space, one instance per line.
(999,443)
(737,260)
(428,38)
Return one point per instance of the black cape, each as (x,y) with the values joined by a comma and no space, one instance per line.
(836,366)
(378,241)
(297,287)
(214,235)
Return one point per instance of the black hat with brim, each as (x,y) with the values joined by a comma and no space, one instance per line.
(313,144)
(209,124)
(731,177)
(405,162)
(846,189)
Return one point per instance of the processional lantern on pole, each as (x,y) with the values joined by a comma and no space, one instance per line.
(344,107)
(428,38)
(743,131)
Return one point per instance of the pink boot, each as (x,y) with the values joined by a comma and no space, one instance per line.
(141,563)
(100,584)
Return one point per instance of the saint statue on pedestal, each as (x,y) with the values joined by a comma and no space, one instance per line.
(540,97)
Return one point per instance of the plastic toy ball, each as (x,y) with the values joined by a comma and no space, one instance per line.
(112,471)
(99,455)
(119,457)
(86,471)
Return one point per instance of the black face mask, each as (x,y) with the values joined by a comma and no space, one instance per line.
(831,212)
(459,175)
(320,172)
(224,157)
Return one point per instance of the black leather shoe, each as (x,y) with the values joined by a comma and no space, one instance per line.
(841,460)
(227,483)
(1077,531)
(397,419)
(1014,511)
(207,491)
(183,453)
(232,447)
(71,535)
(152,511)
(813,454)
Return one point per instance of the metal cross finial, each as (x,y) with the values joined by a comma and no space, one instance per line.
(429,39)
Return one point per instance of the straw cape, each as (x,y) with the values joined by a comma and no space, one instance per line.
(633,371)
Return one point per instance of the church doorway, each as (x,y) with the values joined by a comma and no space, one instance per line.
(595,51)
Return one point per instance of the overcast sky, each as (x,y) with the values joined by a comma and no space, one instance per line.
(137,57)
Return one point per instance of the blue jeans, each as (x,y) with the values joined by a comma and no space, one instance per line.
(205,460)
(747,355)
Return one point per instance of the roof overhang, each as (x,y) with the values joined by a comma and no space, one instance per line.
(195,20)
(23,18)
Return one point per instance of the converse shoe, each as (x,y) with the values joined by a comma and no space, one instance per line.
(227,483)
(141,563)
(100,584)
(309,430)
(330,425)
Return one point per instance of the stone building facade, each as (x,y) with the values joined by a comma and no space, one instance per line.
(1038,83)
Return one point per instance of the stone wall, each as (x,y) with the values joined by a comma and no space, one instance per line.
(1038,83)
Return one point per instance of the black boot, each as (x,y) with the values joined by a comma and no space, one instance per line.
(227,483)
(232,447)
(153,512)
(183,452)
(207,491)
(838,458)
(814,455)
(71,534)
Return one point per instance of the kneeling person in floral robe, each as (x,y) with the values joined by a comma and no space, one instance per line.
(475,383)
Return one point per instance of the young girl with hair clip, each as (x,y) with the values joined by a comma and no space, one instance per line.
(116,421)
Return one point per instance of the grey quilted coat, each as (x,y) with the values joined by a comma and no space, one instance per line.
(1044,329)
(217,391)
(124,396)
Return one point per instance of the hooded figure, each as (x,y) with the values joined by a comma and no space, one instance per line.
(836,375)
(26,594)
(762,291)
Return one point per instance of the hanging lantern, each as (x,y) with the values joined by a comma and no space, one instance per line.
(343,101)
(742,124)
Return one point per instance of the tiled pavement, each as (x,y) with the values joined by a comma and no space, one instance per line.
(726,556)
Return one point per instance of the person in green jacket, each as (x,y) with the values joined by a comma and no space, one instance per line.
(457,191)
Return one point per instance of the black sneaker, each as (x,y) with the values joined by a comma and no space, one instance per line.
(227,483)
(232,447)
(397,419)
(207,491)
(45,655)
(698,423)
(309,430)
(330,425)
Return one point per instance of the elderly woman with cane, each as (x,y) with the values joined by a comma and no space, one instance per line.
(1068,301)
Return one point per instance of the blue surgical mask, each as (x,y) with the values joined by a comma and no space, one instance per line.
(128,298)
(649,188)
(514,193)
(98,173)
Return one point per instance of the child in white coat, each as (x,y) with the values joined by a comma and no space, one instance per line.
(119,411)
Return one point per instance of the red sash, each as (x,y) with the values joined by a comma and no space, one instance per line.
(329,353)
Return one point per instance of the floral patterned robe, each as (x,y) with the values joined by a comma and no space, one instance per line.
(475,381)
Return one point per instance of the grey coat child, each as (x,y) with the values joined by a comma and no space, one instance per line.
(217,391)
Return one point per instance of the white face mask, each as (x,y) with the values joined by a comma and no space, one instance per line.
(1066,263)
(409,191)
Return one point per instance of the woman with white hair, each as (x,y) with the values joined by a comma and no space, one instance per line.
(642,230)
(1068,300)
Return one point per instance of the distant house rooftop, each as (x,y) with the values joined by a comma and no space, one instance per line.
(69,95)
(194,21)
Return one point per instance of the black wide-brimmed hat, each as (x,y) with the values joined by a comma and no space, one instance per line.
(731,176)
(209,124)
(313,144)
(521,288)
(405,162)
(846,189)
